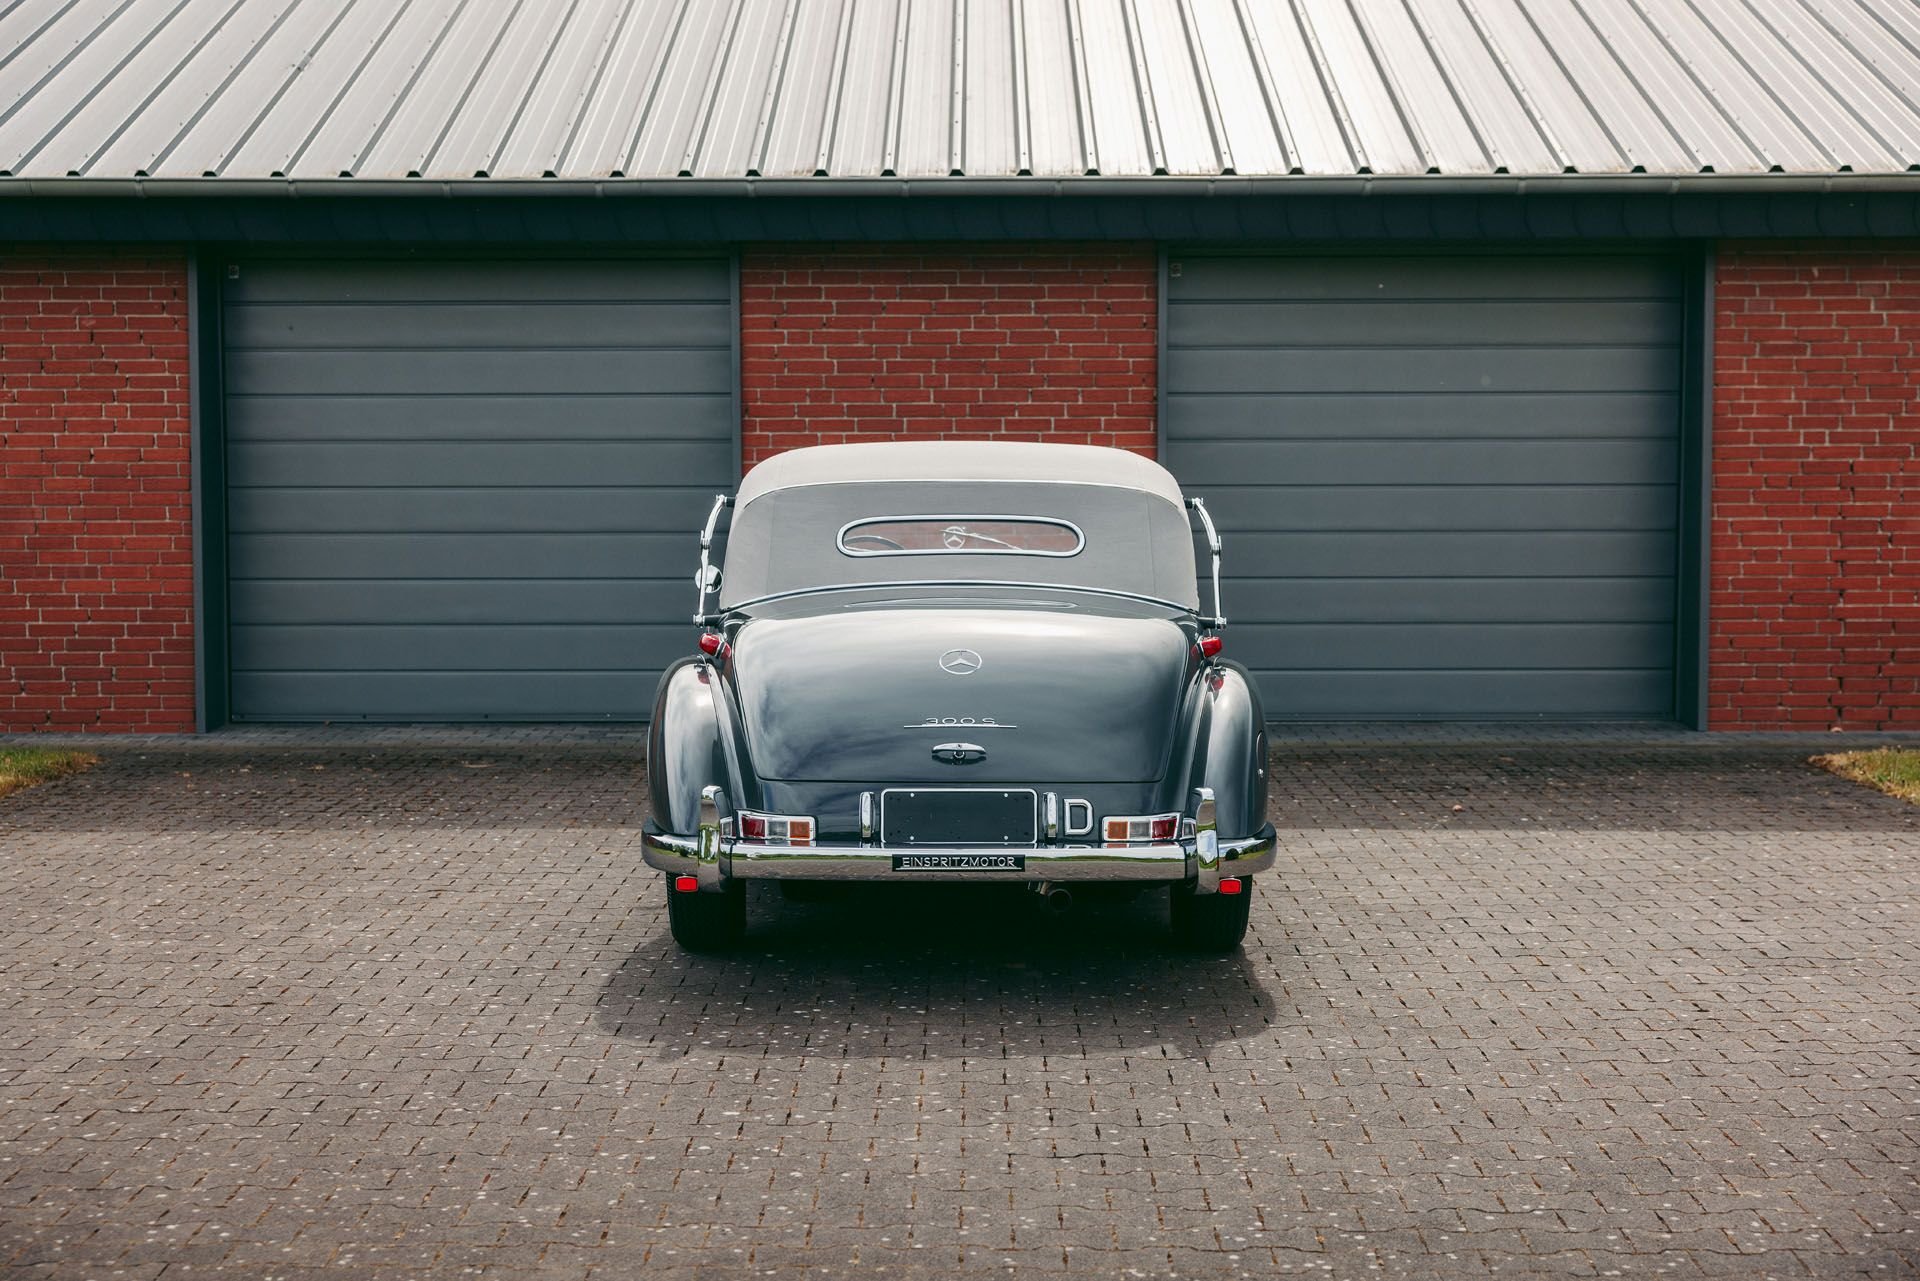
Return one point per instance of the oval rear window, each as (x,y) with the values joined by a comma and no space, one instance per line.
(969,535)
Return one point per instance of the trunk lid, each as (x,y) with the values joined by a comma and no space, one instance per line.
(1046,695)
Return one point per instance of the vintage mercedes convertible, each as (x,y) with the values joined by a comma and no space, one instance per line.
(958,661)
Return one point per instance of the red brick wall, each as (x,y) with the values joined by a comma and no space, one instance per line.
(1021,343)
(1816,489)
(96,562)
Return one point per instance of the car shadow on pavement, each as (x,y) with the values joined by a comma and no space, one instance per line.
(948,971)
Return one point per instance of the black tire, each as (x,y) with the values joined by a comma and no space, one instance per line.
(704,922)
(1211,922)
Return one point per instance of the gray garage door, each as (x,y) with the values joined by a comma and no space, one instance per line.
(1451,483)
(467,491)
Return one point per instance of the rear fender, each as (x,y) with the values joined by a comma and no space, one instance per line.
(1224,746)
(694,741)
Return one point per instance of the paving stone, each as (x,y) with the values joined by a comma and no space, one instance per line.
(390,1002)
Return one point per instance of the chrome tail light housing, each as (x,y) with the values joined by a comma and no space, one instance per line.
(1139,829)
(775,829)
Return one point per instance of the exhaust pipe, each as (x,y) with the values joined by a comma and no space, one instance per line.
(1058,898)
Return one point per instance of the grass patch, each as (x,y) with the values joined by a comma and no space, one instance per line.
(24,766)
(1894,770)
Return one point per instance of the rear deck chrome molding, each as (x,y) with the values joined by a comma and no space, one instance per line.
(907,583)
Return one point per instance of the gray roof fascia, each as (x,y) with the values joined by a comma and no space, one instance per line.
(1022,188)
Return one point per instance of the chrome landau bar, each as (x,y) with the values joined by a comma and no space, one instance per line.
(1219,620)
(705,579)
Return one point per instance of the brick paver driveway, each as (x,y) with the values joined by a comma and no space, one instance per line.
(1632,1010)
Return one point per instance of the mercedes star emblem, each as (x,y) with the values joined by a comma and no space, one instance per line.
(960,662)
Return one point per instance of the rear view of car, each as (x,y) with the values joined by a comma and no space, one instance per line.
(957,661)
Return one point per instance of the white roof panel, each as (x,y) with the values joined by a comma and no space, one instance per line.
(592,89)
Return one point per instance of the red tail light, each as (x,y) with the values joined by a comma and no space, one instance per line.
(1209,646)
(711,643)
(686,884)
(776,829)
(1231,885)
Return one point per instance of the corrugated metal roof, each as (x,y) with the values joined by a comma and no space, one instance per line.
(591,89)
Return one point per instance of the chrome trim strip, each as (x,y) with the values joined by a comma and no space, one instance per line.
(1080,536)
(1239,856)
(893,584)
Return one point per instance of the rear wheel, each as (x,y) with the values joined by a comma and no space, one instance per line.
(703,922)
(1211,922)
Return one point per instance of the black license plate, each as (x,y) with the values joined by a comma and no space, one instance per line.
(931,862)
(982,816)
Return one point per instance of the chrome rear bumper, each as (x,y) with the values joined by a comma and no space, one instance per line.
(1173,861)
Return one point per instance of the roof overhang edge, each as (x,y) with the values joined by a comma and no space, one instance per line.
(1026,188)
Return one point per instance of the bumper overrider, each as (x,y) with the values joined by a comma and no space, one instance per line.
(1201,860)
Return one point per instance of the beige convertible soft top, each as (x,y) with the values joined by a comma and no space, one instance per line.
(791,511)
(958,460)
